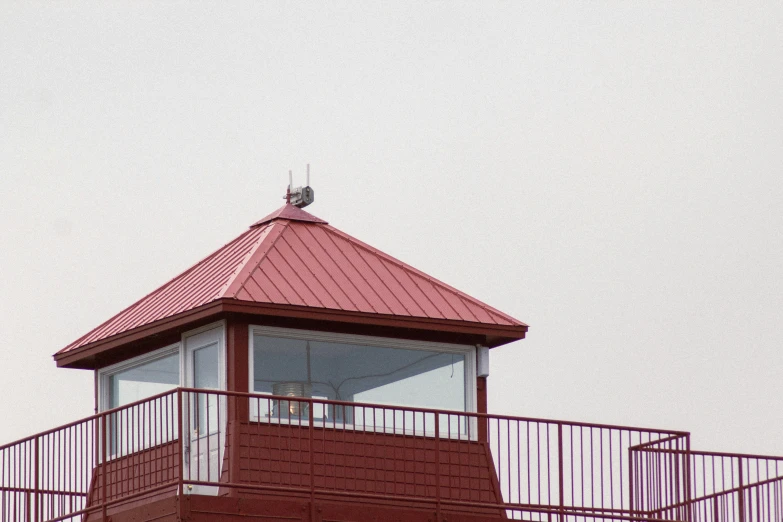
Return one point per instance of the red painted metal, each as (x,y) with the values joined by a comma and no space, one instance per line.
(291,213)
(292,258)
(710,486)
(199,285)
(405,458)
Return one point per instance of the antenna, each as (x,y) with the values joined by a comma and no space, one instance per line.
(300,196)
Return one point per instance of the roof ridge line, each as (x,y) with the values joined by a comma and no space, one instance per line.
(157,290)
(183,279)
(263,233)
(418,272)
(235,284)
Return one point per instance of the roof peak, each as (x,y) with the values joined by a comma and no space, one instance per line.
(291,213)
(303,269)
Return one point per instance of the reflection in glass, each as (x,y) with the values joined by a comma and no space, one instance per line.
(206,375)
(143,381)
(134,384)
(356,373)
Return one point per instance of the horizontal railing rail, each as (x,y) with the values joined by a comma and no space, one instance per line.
(452,456)
(209,442)
(75,471)
(720,486)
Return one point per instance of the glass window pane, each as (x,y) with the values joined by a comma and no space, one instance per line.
(205,368)
(206,375)
(357,373)
(150,423)
(144,380)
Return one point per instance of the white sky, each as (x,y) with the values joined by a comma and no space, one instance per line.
(608,172)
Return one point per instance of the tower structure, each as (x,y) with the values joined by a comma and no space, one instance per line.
(298,373)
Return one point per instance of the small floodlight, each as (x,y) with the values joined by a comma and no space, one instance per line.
(300,196)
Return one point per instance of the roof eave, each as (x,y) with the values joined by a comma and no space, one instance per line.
(84,356)
(80,357)
(508,332)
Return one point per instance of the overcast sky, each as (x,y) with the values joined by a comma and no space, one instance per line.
(608,172)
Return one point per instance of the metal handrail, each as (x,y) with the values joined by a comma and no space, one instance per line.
(537,466)
(433,411)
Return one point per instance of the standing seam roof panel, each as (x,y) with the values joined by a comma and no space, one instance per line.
(446,310)
(358,299)
(398,290)
(414,290)
(324,279)
(456,294)
(243,295)
(210,274)
(283,286)
(292,257)
(362,279)
(163,301)
(443,302)
(458,305)
(306,275)
(260,239)
(294,279)
(338,259)
(260,289)
(373,279)
(266,285)
(272,233)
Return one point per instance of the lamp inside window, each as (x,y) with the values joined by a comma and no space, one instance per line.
(352,372)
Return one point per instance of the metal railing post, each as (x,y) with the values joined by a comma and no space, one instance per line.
(631,492)
(104,477)
(660,483)
(688,479)
(310,429)
(741,493)
(181,452)
(560,477)
(715,509)
(37,486)
(437,468)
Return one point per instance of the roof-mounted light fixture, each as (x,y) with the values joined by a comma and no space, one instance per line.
(300,196)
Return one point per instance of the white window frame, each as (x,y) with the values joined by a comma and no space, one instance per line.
(104,374)
(184,365)
(468,351)
(186,371)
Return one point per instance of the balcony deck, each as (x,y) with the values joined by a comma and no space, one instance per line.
(257,457)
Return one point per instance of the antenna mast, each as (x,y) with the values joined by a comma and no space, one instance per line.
(300,196)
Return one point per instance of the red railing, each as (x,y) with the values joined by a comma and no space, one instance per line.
(713,486)
(60,474)
(519,468)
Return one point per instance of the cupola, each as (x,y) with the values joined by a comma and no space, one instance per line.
(297,373)
(294,306)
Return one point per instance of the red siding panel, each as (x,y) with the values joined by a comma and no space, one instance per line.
(363,462)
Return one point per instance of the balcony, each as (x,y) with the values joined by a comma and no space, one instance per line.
(313,455)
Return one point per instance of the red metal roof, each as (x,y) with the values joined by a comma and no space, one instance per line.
(289,212)
(294,258)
